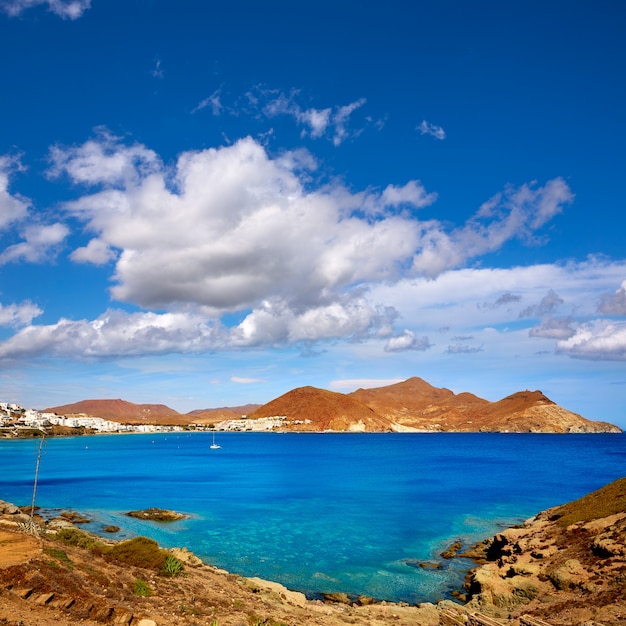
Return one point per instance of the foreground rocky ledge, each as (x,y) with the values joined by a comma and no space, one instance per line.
(566,566)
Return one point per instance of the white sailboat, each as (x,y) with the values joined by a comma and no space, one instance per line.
(214,446)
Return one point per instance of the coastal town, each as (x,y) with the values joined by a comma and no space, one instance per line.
(17,421)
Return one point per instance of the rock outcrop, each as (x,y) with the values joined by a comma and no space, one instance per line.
(567,565)
(157,515)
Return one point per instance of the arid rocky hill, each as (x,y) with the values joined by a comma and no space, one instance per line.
(415,404)
(212,416)
(122,411)
(324,410)
(410,406)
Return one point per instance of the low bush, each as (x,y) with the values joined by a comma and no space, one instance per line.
(80,539)
(139,552)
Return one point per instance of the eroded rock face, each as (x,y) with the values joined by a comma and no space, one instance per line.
(186,557)
(545,564)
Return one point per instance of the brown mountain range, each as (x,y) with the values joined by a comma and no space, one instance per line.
(409,406)
(415,405)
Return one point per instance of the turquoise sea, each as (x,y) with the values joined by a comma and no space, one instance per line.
(317,512)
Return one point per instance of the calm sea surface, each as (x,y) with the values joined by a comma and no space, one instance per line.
(317,512)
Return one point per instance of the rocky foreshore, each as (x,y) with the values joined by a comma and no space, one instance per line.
(565,566)
(53,573)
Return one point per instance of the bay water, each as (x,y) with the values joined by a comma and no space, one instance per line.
(319,513)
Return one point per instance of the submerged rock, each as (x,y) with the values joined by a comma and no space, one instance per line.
(111,529)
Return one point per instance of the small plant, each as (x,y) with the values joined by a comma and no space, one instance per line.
(142,588)
(61,556)
(172,566)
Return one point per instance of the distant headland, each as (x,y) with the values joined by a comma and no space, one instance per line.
(410,406)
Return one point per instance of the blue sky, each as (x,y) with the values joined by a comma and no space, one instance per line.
(209,204)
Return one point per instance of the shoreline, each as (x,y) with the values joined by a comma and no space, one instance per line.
(53,519)
(441,560)
(565,565)
(165,429)
(258,545)
(334,606)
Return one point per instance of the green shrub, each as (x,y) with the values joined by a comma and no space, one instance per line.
(139,552)
(142,588)
(172,566)
(80,539)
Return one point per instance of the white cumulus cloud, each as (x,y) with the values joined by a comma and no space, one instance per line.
(597,341)
(232,229)
(103,160)
(39,242)
(18,314)
(96,252)
(115,333)
(407,340)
